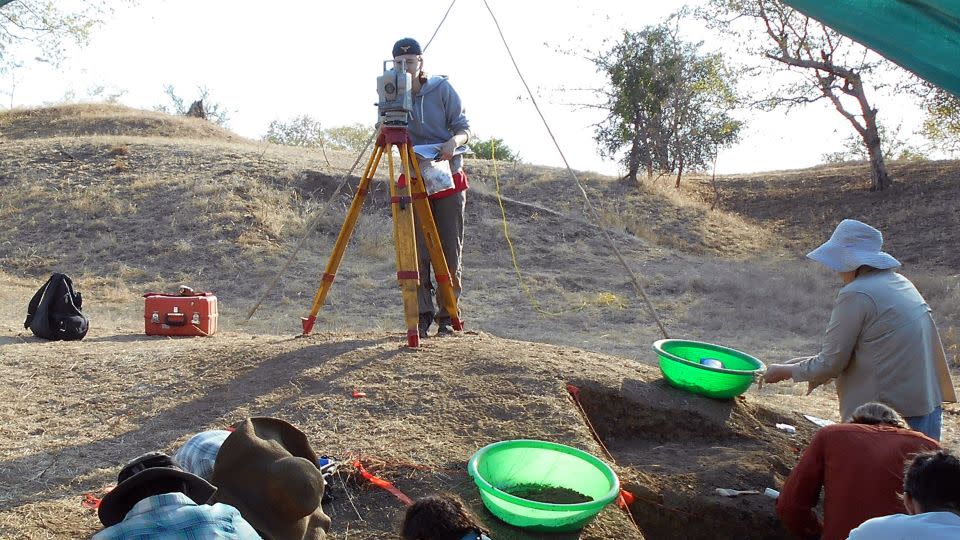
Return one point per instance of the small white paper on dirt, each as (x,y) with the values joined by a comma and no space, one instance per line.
(787,428)
(822,422)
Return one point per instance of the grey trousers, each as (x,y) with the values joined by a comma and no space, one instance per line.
(448,215)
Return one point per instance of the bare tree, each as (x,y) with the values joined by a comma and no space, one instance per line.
(832,67)
(203,107)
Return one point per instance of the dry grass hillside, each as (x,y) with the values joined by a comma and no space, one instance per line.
(129,201)
(81,120)
(919,215)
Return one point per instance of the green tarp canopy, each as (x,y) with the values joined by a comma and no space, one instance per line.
(920,35)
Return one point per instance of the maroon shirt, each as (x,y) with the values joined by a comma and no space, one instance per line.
(860,469)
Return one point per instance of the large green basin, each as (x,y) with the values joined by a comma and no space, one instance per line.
(506,464)
(680,363)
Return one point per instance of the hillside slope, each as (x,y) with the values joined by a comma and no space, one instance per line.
(919,215)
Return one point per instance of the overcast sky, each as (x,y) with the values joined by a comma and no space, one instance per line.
(275,60)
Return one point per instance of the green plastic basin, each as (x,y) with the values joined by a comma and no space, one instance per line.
(680,363)
(506,464)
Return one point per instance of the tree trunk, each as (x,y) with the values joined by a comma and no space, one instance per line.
(196,110)
(636,149)
(633,164)
(871,138)
(679,172)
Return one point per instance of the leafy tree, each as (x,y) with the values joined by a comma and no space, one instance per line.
(942,125)
(215,112)
(668,106)
(300,131)
(492,148)
(353,137)
(49,27)
(304,130)
(823,64)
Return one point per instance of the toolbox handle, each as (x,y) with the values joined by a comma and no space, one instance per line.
(175,319)
(149,294)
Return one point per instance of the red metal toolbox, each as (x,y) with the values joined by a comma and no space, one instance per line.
(185,313)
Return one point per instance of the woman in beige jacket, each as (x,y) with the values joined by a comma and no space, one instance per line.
(881,343)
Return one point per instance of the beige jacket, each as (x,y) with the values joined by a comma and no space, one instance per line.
(882,345)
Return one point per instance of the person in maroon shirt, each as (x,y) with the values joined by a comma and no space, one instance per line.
(859,466)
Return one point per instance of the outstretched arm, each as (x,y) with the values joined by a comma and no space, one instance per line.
(846,322)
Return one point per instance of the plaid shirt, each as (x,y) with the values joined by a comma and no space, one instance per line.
(199,454)
(174,516)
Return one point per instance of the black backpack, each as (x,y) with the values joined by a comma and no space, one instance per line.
(54,312)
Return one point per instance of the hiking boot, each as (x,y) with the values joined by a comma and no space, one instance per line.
(444,327)
(426,319)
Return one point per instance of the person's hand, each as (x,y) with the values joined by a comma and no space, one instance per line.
(448,148)
(777,372)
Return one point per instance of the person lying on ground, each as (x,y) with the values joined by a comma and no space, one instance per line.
(440,518)
(858,466)
(156,500)
(931,497)
(881,343)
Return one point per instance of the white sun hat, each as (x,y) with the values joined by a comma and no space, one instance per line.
(853,244)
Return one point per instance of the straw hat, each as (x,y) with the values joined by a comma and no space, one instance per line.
(267,470)
(852,245)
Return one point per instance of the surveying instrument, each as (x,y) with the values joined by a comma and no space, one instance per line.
(408,198)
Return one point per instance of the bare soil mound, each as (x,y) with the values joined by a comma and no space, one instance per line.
(73,412)
(78,120)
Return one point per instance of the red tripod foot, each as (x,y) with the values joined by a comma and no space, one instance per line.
(413,339)
(307,323)
(457,324)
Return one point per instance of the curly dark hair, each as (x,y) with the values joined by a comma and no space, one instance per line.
(438,518)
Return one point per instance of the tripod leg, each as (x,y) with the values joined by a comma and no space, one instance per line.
(446,283)
(342,239)
(407,274)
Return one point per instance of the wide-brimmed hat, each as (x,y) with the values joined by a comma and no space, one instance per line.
(151,467)
(853,244)
(267,470)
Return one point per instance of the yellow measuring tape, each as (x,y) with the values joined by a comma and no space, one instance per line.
(513,252)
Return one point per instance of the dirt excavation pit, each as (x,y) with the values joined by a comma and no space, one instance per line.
(674,449)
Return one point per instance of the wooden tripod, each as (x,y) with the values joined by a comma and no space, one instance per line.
(407,196)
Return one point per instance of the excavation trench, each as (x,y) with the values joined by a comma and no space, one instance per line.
(674,449)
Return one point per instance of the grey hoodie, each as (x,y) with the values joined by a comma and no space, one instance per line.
(437,115)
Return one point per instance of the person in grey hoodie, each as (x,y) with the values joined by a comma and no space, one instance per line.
(438,118)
